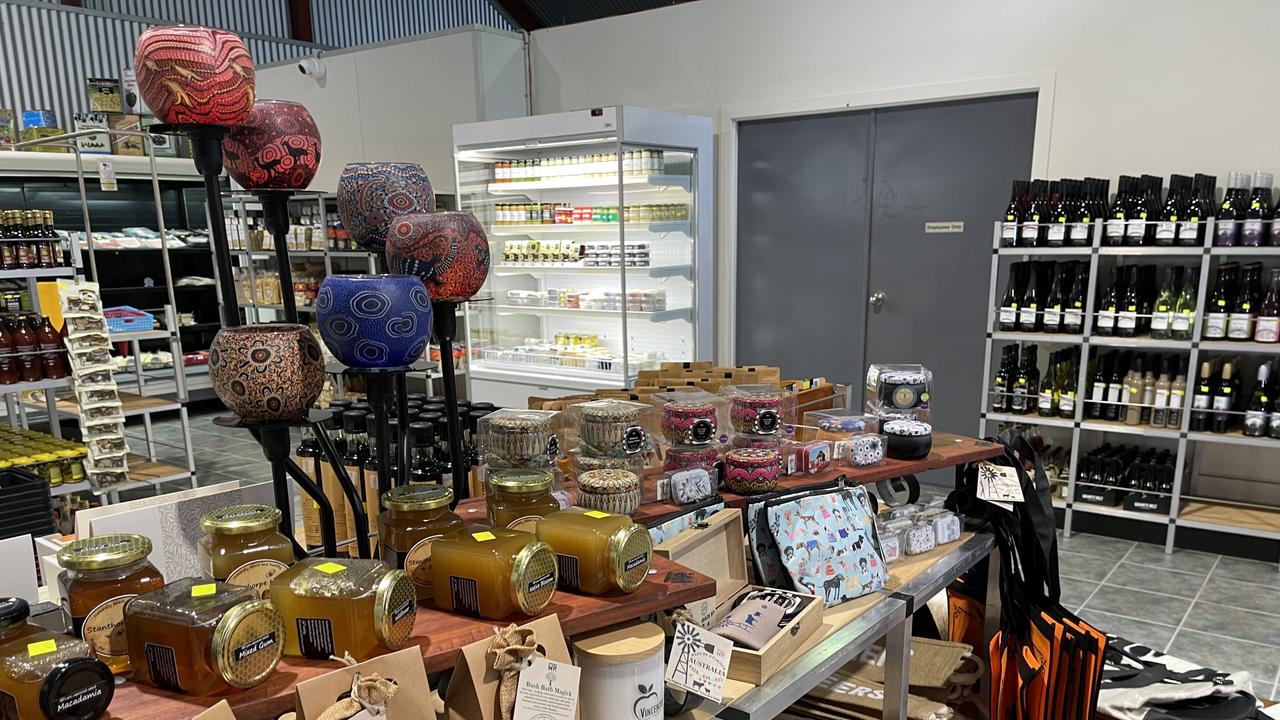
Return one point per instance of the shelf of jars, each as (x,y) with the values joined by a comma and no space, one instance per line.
(657,228)
(652,182)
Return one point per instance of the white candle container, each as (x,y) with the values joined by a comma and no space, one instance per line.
(621,672)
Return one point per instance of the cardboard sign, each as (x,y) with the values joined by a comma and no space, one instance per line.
(699,661)
(473,691)
(221,711)
(999,485)
(412,700)
(548,691)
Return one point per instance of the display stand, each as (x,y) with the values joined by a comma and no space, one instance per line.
(386,387)
(275,208)
(444,326)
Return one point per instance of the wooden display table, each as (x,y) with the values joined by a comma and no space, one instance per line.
(439,634)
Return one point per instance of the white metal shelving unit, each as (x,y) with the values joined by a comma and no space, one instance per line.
(1185,510)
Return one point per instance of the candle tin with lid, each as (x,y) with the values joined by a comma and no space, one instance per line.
(751,471)
(614,491)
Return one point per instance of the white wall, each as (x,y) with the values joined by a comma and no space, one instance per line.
(398,101)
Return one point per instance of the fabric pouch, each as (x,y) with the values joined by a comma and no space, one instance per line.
(691,485)
(827,544)
(751,624)
(671,527)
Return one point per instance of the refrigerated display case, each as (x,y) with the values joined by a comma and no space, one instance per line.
(599,225)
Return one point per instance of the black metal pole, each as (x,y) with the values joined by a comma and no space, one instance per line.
(328,525)
(206,146)
(379,386)
(275,446)
(358,515)
(275,208)
(444,320)
(402,411)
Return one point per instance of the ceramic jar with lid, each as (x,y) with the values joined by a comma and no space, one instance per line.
(621,672)
(752,471)
(613,491)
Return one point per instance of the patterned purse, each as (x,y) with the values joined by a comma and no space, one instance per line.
(671,527)
(828,544)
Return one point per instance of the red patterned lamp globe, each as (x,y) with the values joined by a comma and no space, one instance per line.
(277,147)
(448,250)
(195,75)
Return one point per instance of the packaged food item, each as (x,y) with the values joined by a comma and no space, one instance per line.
(333,607)
(47,674)
(242,546)
(516,499)
(415,517)
(613,491)
(597,552)
(199,637)
(493,573)
(100,576)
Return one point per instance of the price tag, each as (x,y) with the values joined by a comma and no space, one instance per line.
(596,514)
(107,176)
(43,647)
(484,536)
(330,568)
(199,591)
(548,690)
(999,485)
(699,661)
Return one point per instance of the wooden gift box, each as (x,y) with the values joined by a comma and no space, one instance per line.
(717,548)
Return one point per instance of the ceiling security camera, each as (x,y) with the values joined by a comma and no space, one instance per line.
(312,67)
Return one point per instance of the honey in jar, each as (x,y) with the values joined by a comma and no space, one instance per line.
(518,498)
(199,637)
(100,575)
(414,518)
(333,607)
(597,552)
(493,573)
(48,675)
(242,546)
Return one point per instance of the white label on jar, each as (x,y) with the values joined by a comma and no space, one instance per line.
(1008,230)
(1166,230)
(1128,320)
(103,627)
(1080,231)
(1115,228)
(1160,320)
(1106,318)
(417,562)
(528,523)
(1267,330)
(257,574)
(1181,322)
(1027,315)
(1240,326)
(1215,325)
(1058,231)
(1008,315)
(1052,316)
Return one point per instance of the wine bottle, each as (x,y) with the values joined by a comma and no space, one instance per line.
(1033,376)
(1223,401)
(1080,232)
(1000,386)
(1253,230)
(1273,427)
(1174,206)
(1067,389)
(1115,388)
(1161,315)
(1029,308)
(1127,319)
(1008,316)
(1133,392)
(1244,307)
(1141,207)
(1183,319)
(1146,297)
(1030,231)
(1013,215)
(1052,315)
(1256,417)
(1109,305)
(1045,406)
(1218,309)
(1073,308)
(1160,396)
(1231,212)
(1267,327)
(1021,383)
(1114,232)
(1177,396)
(1148,395)
(1098,386)
(1202,398)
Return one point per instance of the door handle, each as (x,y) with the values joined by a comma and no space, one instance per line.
(877,300)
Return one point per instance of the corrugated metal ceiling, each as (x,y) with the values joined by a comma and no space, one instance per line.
(567,12)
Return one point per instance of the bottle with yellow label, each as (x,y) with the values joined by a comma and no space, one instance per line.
(242,546)
(597,552)
(493,573)
(48,675)
(198,637)
(415,517)
(333,607)
(517,498)
(100,575)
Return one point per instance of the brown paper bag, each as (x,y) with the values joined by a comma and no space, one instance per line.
(221,711)
(932,662)
(473,690)
(412,701)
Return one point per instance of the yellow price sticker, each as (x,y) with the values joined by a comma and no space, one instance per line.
(484,536)
(330,568)
(198,591)
(596,514)
(44,647)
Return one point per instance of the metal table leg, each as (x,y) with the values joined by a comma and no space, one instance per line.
(897,669)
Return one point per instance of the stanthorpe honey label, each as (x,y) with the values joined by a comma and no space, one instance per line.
(417,562)
(528,523)
(257,574)
(103,627)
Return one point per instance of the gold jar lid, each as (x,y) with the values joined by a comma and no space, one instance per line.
(417,497)
(521,481)
(104,552)
(630,554)
(395,608)
(534,574)
(608,482)
(248,643)
(240,520)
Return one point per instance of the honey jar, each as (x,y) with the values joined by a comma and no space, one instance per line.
(517,499)
(597,552)
(199,637)
(242,546)
(349,606)
(48,675)
(101,574)
(493,573)
(414,518)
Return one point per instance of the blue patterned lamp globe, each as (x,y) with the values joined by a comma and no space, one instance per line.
(374,321)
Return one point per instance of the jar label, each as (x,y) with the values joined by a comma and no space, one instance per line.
(905,397)
(568,565)
(242,652)
(633,440)
(417,561)
(463,592)
(103,627)
(701,432)
(541,582)
(257,574)
(635,562)
(162,666)
(315,638)
(528,523)
(767,422)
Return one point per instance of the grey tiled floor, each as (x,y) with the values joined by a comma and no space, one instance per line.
(1215,610)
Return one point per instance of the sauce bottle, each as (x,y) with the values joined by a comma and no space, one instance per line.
(24,344)
(52,360)
(8,363)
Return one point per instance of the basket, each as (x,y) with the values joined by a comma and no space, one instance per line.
(27,507)
(124,319)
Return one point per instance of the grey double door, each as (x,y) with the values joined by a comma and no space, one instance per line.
(835,268)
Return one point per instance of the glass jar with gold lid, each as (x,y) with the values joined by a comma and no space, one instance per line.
(46,674)
(517,498)
(100,575)
(493,573)
(597,552)
(414,518)
(242,546)
(199,637)
(332,607)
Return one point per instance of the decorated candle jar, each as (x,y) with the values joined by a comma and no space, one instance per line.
(751,471)
(374,321)
(614,491)
(611,427)
(518,438)
(448,250)
(908,439)
(194,75)
(757,414)
(681,458)
(277,147)
(266,372)
(689,422)
(372,195)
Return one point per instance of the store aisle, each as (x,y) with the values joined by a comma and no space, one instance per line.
(1211,609)
(221,454)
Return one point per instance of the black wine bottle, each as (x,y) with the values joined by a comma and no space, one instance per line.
(1013,215)
(1202,398)
(1029,308)
(1073,308)
(1109,305)
(1127,318)
(1007,319)
(1257,218)
(1098,386)
(1116,214)
(1057,298)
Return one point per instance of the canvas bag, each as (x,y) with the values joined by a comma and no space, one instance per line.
(1139,683)
(670,527)
(828,544)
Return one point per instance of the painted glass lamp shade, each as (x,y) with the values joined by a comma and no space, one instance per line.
(195,75)
(372,195)
(273,371)
(448,250)
(374,321)
(277,147)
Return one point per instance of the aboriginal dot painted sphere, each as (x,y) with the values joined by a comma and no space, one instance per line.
(372,195)
(273,371)
(374,321)
(192,74)
(277,147)
(448,250)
